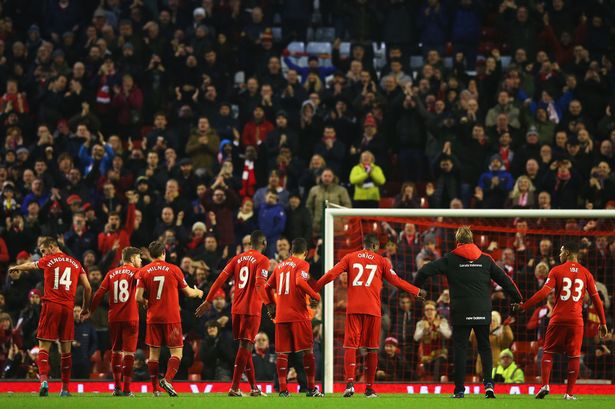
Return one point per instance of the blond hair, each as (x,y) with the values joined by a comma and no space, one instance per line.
(463,235)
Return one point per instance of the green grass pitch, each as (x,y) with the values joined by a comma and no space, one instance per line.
(220,401)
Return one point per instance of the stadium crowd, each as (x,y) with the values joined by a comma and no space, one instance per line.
(131,120)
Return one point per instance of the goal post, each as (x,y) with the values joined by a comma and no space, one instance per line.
(459,216)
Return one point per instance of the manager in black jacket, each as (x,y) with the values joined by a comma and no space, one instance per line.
(469,273)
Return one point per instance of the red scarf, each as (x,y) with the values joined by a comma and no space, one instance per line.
(248,179)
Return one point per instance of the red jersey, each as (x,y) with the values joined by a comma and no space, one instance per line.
(162,282)
(570,280)
(289,281)
(61,275)
(121,284)
(366,270)
(249,271)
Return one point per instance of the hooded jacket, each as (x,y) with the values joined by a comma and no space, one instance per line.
(469,273)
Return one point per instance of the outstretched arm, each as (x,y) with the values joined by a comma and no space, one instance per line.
(499,276)
(87,295)
(102,290)
(429,270)
(537,297)
(394,279)
(303,284)
(30,265)
(332,274)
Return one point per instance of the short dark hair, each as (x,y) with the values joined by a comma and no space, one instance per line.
(129,252)
(371,242)
(48,242)
(257,238)
(572,246)
(213,323)
(156,248)
(299,246)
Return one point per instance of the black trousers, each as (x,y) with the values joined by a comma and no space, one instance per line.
(461,335)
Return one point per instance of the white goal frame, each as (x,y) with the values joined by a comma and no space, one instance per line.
(329,251)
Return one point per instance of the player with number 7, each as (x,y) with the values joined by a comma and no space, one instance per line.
(61,273)
(248,271)
(158,287)
(366,269)
(121,283)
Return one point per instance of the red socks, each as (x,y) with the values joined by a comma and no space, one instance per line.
(42,361)
(116,367)
(370,370)
(241,361)
(127,365)
(309,364)
(350,364)
(574,365)
(66,362)
(282,367)
(153,373)
(250,372)
(547,364)
(172,367)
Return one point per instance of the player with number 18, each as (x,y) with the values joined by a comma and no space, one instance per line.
(121,283)
(249,271)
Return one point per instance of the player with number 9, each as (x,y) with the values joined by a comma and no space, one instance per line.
(570,280)
(123,317)
(162,282)
(61,274)
(366,269)
(249,271)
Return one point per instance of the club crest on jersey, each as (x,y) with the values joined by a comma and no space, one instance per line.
(264,273)
(305,275)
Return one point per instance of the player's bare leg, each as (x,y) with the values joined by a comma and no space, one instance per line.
(42,361)
(152,366)
(172,367)
(241,360)
(128,361)
(545,372)
(116,367)
(282,369)
(309,365)
(66,364)
(350,369)
(370,372)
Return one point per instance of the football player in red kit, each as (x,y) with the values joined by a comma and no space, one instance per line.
(570,280)
(288,285)
(162,282)
(121,283)
(366,269)
(61,275)
(248,271)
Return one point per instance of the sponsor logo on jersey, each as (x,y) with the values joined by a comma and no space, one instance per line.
(470,265)
(305,275)
(264,273)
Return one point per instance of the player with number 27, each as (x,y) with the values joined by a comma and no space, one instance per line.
(61,273)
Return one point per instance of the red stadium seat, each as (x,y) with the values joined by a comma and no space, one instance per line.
(386,202)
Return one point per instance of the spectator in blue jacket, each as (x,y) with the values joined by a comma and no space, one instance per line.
(84,346)
(432,22)
(496,183)
(271,220)
(102,153)
(466,30)
(313,66)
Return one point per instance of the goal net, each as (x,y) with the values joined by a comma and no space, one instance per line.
(415,339)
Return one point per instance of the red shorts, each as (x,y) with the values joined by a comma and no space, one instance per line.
(362,331)
(169,335)
(245,327)
(124,335)
(293,336)
(56,323)
(564,339)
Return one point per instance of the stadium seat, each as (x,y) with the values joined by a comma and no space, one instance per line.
(319,49)
(416,62)
(386,202)
(277,34)
(324,34)
(196,368)
(344,49)
(296,48)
